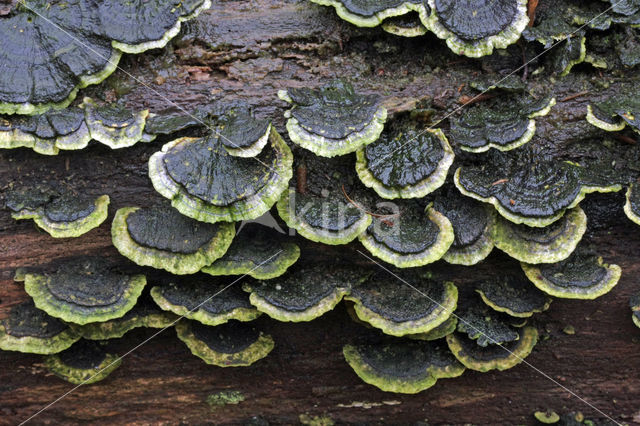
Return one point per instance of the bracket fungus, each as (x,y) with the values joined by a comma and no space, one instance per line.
(583,275)
(205,182)
(493,357)
(408,25)
(526,187)
(475,27)
(334,119)
(569,53)
(632,205)
(371,13)
(484,325)
(398,309)
(209,302)
(233,344)
(84,363)
(85,290)
(412,236)
(405,162)
(615,113)
(634,303)
(447,327)
(402,366)
(256,252)
(163,238)
(513,295)
(28,329)
(549,244)
(505,123)
(473,226)
(302,294)
(113,124)
(61,213)
(242,134)
(52,49)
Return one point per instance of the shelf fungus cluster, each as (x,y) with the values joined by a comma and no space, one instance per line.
(472,27)
(50,50)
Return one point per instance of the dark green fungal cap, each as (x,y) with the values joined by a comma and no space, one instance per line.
(205,182)
(256,252)
(482,324)
(475,27)
(447,327)
(569,53)
(625,7)
(493,357)
(370,13)
(233,344)
(166,124)
(61,213)
(85,290)
(163,238)
(616,113)
(473,224)
(405,162)
(333,120)
(209,302)
(113,124)
(505,123)
(583,275)
(84,363)
(403,366)
(52,49)
(408,25)
(28,329)
(527,187)
(550,244)
(513,295)
(303,293)
(399,309)
(634,303)
(409,237)
(144,314)
(242,134)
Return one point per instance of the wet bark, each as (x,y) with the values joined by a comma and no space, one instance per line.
(246,51)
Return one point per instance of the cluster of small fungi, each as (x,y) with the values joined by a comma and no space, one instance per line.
(404,191)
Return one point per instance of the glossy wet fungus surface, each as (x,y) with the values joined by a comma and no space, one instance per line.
(370,13)
(615,114)
(402,366)
(478,322)
(57,210)
(85,362)
(258,252)
(206,301)
(242,134)
(52,49)
(28,329)
(163,238)
(334,119)
(632,204)
(207,183)
(583,275)
(514,295)
(114,125)
(233,344)
(634,303)
(84,290)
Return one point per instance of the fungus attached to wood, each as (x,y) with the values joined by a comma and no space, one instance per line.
(256,252)
(334,119)
(483,325)
(402,366)
(242,134)
(398,309)
(569,53)
(28,329)
(61,213)
(583,275)
(113,124)
(408,25)
(371,13)
(209,302)
(449,326)
(616,113)
(513,295)
(163,238)
(233,344)
(505,123)
(410,237)
(302,294)
(205,182)
(52,49)
(83,363)
(493,357)
(475,27)
(634,303)
(405,162)
(549,244)
(473,226)
(85,290)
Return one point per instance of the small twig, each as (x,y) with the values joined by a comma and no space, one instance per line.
(301,179)
(574,96)
(531,11)
(626,139)
(359,207)
(467,100)
(500,181)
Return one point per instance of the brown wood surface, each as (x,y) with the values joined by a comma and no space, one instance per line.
(246,51)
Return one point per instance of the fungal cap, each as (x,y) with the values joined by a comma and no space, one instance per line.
(158,224)
(82,364)
(514,296)
(135,318)
(405,26)
(547,417)
(632,205)
(497,357)
(238,344)
(478,250)
(377,12)
(444,329)
(113,125)
(603,121)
